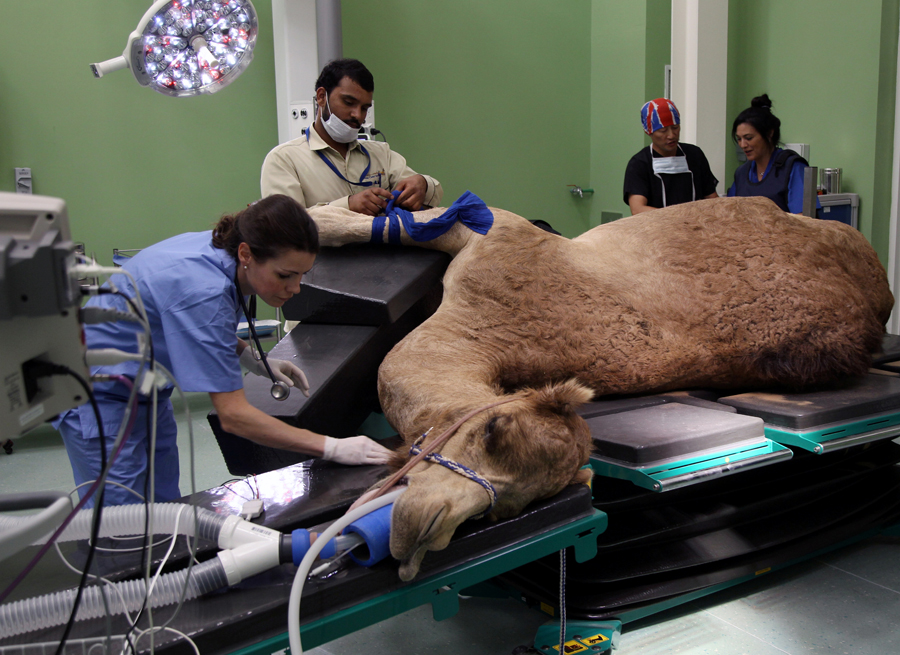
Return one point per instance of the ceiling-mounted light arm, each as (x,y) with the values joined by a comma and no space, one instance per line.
(109,66)
(124,61)
(188,47)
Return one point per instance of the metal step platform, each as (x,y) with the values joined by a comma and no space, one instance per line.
(354,305)
(367,284)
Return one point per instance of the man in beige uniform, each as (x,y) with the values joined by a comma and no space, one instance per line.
(329,165)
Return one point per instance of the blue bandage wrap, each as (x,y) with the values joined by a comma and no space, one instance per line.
(468,209)
(375,529)
(378,229)
(299,545)
(393,214)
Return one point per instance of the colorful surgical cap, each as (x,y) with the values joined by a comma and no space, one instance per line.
(658,114)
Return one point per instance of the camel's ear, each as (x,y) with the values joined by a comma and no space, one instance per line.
(583,476)
(564,397)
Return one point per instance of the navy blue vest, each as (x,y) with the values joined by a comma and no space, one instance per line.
(773,186)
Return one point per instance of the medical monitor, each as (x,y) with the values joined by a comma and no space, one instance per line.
(38,313)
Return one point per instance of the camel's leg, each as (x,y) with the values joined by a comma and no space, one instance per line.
(339,226)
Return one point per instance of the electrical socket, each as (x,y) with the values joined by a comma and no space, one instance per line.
(301,118)
(23,180)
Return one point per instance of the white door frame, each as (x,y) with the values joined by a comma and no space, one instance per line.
(893,269)
(699,61)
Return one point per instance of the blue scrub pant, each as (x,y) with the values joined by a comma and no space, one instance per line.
(79,431)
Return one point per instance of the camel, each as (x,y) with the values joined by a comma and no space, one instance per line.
(720,293)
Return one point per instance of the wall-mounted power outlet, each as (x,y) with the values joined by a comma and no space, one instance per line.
(23,180)
(301,118)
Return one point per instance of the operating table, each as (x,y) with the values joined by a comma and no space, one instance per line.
(695,491)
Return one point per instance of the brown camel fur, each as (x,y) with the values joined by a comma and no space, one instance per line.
(726,293)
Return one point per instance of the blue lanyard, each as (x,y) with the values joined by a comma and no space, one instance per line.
(338,173)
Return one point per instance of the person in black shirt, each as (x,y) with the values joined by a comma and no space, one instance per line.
(667,172)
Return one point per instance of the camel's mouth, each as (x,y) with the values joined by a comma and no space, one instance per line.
(431,524)
(409,564)
(409,568)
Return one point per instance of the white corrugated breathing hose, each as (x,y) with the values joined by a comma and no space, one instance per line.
(309,558)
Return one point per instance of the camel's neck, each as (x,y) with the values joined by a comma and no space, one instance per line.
(414,414)
(427,380)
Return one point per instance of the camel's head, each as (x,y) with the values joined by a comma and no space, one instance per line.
(528,449)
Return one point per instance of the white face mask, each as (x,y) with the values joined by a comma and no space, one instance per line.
(671,165)
(338,129)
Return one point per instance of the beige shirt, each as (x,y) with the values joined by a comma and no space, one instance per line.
(295,169)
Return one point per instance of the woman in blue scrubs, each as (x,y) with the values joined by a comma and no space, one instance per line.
(769,171)
(189,285)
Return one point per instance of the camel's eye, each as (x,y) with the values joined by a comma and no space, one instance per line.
(491,433)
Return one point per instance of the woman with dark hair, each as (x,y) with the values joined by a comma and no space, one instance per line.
(190,286)
(769,171)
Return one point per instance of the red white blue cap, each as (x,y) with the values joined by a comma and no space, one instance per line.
(658,114)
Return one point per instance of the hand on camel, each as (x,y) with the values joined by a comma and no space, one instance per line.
(370,202)
(412,192)
(355,450)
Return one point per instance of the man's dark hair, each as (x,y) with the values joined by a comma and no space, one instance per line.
(338,69)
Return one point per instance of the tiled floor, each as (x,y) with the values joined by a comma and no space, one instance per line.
(847,602)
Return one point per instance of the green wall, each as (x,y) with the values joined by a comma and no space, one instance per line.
(657,48)
(513,99)
(630,44)
(493,97)
(830,68)
(134,166)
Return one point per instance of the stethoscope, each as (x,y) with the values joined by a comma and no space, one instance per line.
(338,173)
(279,390)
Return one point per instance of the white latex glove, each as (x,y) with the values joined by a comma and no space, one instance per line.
(355,450)
(283,371)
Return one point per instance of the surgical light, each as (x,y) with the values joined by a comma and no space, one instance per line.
(188,47)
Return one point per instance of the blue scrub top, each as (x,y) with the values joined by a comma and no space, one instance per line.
(795,183)
(187,286)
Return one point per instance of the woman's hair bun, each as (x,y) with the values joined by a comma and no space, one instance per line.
(762,102)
